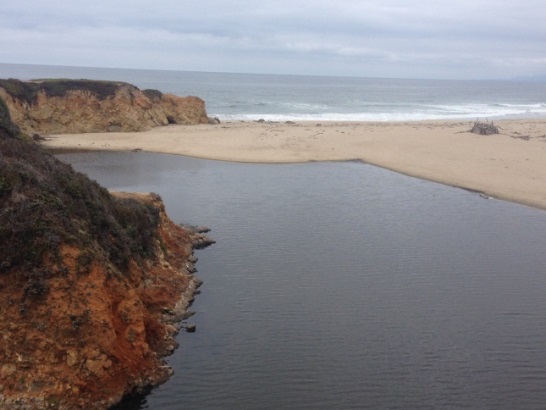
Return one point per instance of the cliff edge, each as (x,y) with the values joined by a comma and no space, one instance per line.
(78,106)
(92,285)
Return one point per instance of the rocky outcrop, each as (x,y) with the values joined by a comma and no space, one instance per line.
(92,285)
(77,106)
(7,128)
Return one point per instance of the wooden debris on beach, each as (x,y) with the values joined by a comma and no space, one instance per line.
(484,128)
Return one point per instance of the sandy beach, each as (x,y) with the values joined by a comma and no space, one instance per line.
(510,165)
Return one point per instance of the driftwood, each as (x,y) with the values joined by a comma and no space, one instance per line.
(484,128)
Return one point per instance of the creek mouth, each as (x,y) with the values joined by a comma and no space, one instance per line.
(343,285)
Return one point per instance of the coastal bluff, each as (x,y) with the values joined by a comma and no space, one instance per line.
(62,106)
(94,285)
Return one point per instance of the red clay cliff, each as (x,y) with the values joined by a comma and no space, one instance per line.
(92,285)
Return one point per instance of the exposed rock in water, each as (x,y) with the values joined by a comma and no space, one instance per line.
(93,286)
(77,106)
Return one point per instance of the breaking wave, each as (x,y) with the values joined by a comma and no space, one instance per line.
(387,112)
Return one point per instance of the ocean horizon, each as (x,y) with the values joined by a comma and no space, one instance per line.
(274,97)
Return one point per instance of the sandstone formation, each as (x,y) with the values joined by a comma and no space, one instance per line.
(77,106)
(92,285)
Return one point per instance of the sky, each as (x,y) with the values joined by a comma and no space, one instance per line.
(456,39)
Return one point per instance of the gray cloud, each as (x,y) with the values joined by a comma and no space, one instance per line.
(425,38)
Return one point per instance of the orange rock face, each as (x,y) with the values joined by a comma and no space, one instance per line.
(79,110)
(94,334)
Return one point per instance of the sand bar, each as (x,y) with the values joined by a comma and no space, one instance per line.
(510,165)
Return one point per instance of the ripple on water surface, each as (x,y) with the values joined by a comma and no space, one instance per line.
(341,285)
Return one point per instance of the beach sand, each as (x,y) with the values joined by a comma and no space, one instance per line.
(510,165)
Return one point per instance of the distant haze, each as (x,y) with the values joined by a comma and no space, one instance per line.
(461,39)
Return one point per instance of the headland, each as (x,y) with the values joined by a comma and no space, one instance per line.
(93,285)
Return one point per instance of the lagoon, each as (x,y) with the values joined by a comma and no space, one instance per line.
(342,285)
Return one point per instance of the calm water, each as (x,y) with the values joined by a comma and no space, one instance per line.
(289,97)
(341,285)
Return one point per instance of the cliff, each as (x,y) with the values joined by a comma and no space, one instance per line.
(92,285)
(77,106)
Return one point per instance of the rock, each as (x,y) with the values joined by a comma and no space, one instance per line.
(114,128)
(94,366)
(191,328)
(196,229)
(8,370)
(214,121)
(201,241)
(77,106)
(97,329)
(72,358)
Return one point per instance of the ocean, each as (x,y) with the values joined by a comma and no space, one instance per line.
(250,97)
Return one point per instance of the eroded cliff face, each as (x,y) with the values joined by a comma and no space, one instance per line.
(77,106)
(87,335)
(92,285)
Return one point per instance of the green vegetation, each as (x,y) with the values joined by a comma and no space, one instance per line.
(28,91)
(153,95)
(45,203)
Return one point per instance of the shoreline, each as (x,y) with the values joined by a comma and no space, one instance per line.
(508,166)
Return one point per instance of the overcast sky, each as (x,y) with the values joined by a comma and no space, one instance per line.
(373,38)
